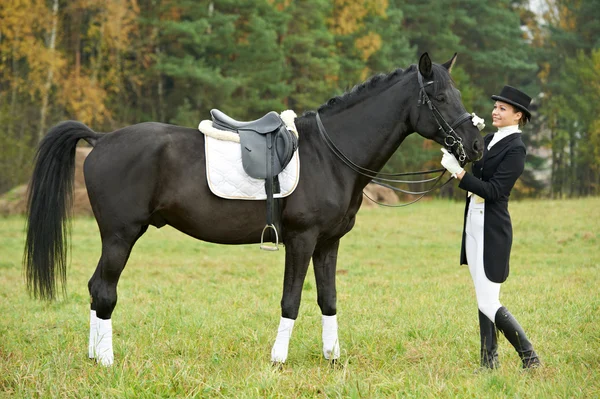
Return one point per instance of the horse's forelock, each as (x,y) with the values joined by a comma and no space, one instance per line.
(441,78)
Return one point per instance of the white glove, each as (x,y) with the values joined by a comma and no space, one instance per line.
(477,121)
(450,163)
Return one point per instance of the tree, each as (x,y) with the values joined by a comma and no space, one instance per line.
(311,57)
(26,59)
(569,76)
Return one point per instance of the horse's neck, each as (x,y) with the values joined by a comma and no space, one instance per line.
(370,132)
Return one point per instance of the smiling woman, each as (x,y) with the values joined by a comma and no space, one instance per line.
(487,234)
(510,108)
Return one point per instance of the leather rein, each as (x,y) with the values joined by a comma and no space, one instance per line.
(451,139)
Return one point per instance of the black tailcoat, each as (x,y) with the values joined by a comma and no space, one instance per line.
(492,178)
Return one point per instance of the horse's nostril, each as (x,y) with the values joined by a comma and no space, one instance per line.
(477,147)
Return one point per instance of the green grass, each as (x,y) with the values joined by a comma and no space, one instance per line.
(198,320)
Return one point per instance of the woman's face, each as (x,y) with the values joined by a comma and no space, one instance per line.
(505,114)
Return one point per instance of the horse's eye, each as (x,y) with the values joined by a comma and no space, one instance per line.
(440,98)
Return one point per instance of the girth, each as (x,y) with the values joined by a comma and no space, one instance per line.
(267,147)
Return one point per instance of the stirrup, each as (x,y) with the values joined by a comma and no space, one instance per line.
(269,247)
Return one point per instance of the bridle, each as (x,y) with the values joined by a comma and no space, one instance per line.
(452,139)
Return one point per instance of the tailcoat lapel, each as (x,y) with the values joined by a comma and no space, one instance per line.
(501,145)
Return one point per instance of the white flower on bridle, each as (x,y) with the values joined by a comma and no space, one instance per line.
(477,121)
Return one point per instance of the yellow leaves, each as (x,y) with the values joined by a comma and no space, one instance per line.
(596,64)
(92,54)
(594,129)
(114,25)
(331,79)
(567,19)
(84,99)
(544,73)
(348,15)
(348,18)
(25,56)
(21,24)
(119,21)
(594,137)
(280,5)
(173,13)
(135,6)
(368,44)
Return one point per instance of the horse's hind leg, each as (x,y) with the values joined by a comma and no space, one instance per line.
(116,248)
(324,262)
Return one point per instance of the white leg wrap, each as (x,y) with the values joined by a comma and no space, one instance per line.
(331,344)
(93,334)
(104,347)
(280,348)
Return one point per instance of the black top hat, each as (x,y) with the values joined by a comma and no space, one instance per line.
(516,98)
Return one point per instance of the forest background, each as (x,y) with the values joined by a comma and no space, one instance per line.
(119,62)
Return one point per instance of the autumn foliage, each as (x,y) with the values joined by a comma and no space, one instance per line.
(119,62)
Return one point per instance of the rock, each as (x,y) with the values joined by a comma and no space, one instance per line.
(14,202)
(380,194)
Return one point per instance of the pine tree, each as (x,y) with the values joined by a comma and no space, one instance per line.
(311,57)
(570,70)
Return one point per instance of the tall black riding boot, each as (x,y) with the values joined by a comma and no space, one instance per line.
(489,343)
(514,333)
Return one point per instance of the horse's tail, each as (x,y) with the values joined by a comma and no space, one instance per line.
(48,206)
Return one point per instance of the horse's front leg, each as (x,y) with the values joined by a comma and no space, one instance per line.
(324,262)
(298,251)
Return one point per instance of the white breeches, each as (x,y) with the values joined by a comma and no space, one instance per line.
(487,292)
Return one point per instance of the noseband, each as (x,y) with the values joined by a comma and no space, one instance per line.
(452,139)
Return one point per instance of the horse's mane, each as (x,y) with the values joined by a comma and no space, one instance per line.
(377,83)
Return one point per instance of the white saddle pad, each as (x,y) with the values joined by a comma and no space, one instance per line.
(227,178)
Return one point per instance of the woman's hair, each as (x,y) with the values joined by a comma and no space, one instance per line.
(523,121)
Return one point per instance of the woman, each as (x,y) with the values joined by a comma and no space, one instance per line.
(487,232)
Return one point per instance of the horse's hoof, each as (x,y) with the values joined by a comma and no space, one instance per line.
(277,365)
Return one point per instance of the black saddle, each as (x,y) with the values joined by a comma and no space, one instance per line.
(267,124)
(267,148)
(267,145)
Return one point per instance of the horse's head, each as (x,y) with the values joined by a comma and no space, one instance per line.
(439,113)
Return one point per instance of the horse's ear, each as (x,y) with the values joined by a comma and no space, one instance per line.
(425,66)
(448,65)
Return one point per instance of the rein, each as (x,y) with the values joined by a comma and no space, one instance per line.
(373,175)
(452,139)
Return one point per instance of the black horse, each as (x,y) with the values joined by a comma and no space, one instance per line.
(154,174)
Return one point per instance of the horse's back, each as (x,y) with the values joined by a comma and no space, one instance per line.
(133,153)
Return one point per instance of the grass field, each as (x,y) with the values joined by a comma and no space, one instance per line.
(198,320)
